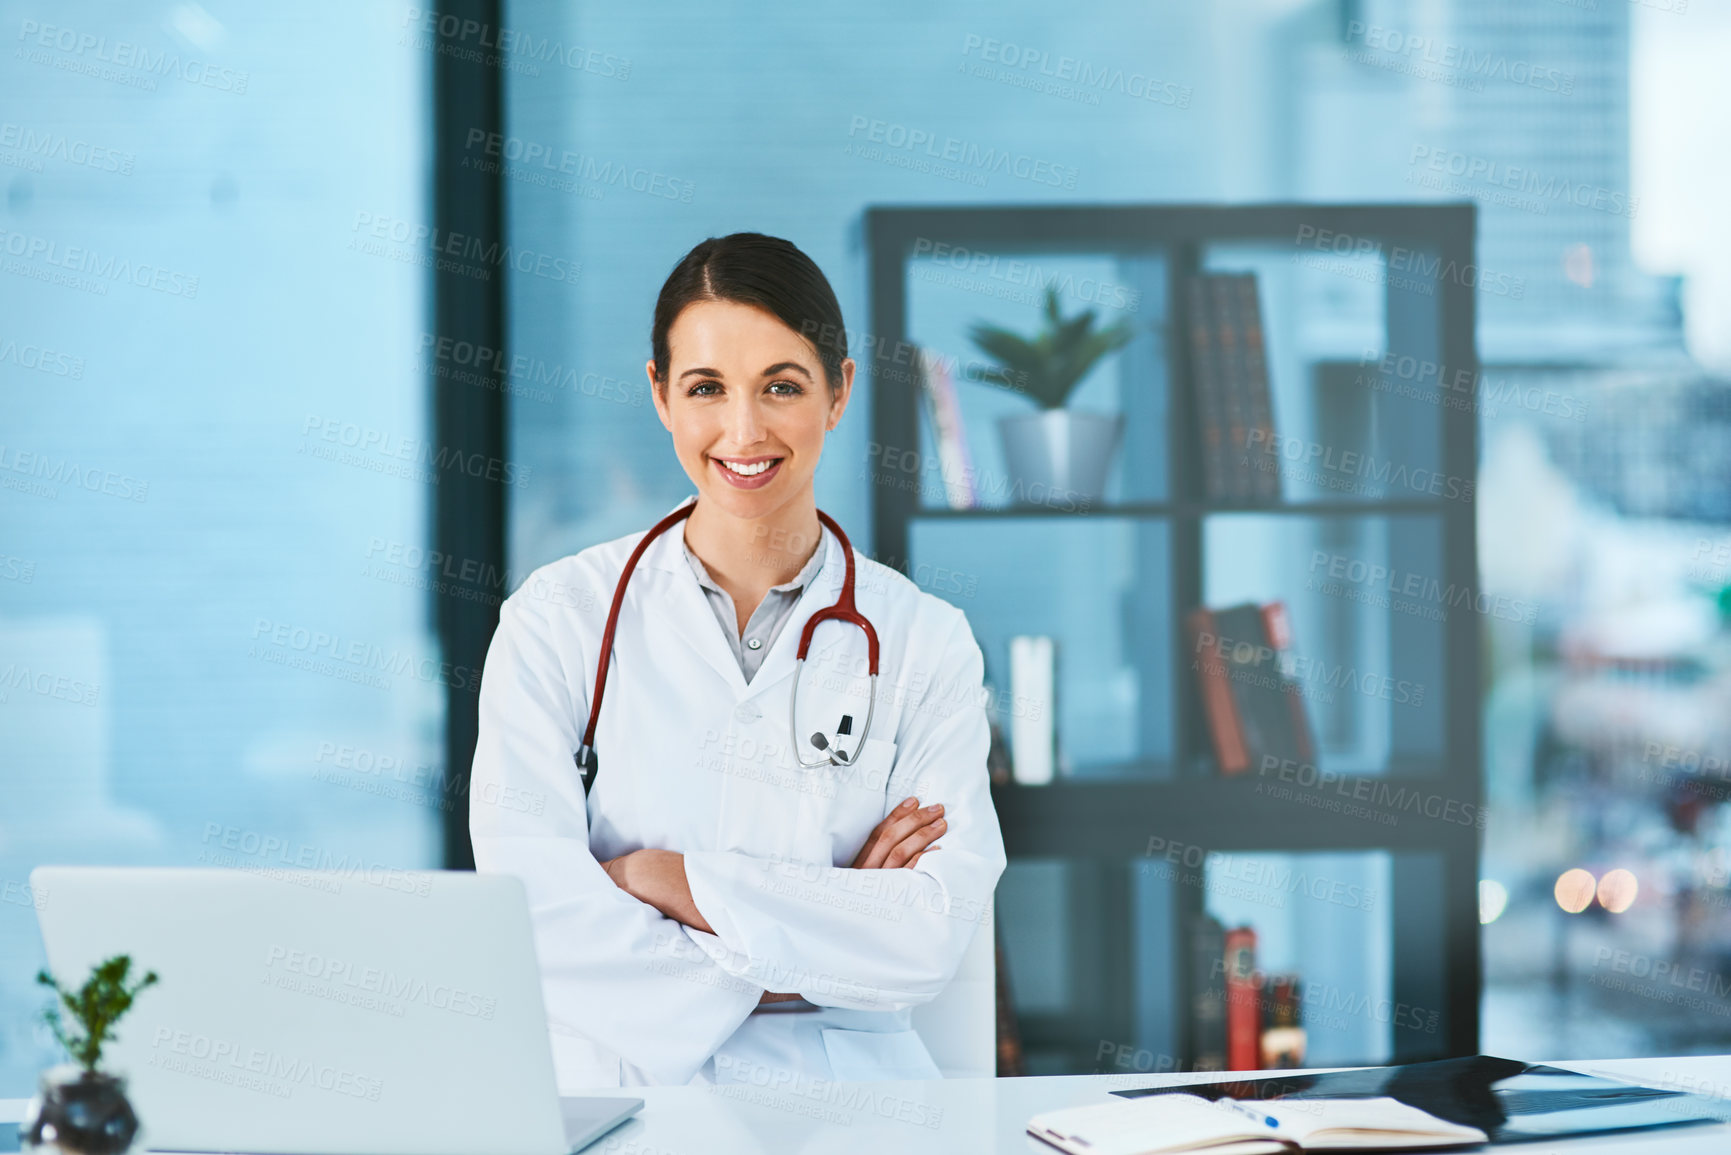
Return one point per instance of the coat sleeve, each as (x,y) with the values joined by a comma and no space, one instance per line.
(875,939)
(613,969)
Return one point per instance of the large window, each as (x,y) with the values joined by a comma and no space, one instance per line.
(215,481)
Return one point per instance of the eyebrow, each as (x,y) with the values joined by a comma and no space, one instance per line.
(778,367)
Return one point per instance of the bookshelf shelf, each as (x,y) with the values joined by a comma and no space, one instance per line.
(1118,819)
(1115,596)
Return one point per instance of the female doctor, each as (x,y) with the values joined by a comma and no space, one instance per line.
(754,888)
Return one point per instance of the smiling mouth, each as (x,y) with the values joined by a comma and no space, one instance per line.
(748,469)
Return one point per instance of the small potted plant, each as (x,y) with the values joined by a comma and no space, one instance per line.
(1063,452)
(80,1109)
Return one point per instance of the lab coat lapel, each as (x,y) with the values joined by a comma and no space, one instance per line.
(696,622)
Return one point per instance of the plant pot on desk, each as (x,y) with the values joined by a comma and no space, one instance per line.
(1060,455)
(79,1112)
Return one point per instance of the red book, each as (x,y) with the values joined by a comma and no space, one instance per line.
(1214,680)
(1300,745)
(1243,1001)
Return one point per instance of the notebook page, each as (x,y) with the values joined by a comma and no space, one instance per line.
(1361,1122)
(1158,1123)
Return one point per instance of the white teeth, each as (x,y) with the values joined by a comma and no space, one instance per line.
(747,470)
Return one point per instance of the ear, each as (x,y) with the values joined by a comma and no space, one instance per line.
(838,400)
(656,396)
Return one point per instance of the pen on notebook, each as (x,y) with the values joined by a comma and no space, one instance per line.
(1270,1120)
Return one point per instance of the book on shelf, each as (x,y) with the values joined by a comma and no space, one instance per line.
(1229,388)
(1243,1001)
(1177,1122)
(1251,698)
(1239,1020)
(1283,1039)
(944,411)
(1207,995)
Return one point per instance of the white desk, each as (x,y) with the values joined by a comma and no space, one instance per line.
(988,1115)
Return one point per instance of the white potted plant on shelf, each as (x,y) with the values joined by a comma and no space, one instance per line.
(1060,451)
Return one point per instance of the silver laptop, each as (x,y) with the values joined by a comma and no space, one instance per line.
(372,1012)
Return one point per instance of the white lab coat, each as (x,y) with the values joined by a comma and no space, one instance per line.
(694,759)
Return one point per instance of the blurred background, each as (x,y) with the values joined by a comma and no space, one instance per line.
(320,329)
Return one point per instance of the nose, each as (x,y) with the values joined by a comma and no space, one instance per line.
(745,419)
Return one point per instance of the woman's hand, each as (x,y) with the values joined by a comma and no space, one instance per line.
(657,877)
(902,837)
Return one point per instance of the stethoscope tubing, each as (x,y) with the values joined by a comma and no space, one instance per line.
(844,610)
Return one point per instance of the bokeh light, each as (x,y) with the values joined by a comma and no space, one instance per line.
(1617,891)
(1493,900)
(1575,889)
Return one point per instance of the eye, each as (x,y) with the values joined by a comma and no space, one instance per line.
(704,389)
(792,388)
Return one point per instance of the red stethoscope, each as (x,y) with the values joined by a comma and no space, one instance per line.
(843,610)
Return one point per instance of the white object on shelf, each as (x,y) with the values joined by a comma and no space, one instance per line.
(1033,718)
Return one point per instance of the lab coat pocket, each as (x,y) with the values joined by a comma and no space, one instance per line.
(863,1056)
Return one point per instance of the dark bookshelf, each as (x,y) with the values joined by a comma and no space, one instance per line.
(1100,824)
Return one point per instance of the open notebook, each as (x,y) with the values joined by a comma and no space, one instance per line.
(1181,1123)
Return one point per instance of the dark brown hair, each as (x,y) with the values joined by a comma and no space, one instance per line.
(763,271)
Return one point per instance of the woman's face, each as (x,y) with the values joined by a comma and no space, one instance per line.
(747,405)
